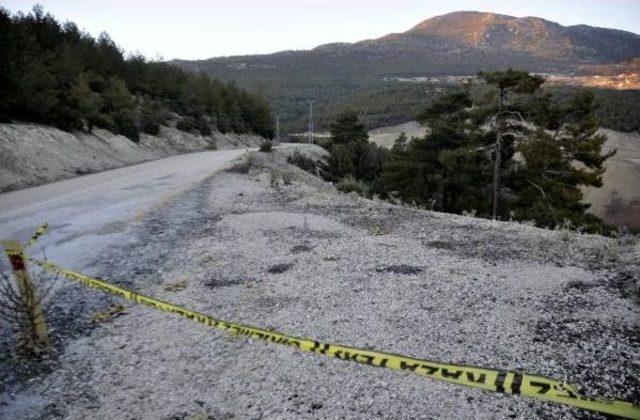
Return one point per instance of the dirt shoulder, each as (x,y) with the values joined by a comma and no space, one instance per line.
(301,258)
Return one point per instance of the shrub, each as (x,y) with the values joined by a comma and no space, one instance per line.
(266,147)
(123,124)
(350,183)
(151,128)
(274,179)
(202,124)
(204,128)
(302,161)
(242,167)
(152,115)
(287,178)
(22,311)
(187,124)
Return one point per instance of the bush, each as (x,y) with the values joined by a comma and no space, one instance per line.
(187,124)
(302,161)
(152,115)
(23,312)
(123,124)
(350,183)
(150,127)
(242,167)
(266,147)
(204,127)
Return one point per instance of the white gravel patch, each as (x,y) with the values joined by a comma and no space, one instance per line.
(434,286)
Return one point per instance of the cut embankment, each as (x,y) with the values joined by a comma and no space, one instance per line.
(35,154)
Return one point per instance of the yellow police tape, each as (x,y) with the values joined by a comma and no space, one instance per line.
(38,233)
(506,382)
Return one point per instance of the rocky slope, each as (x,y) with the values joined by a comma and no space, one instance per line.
(36,154)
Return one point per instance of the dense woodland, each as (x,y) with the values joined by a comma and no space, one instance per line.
(388,103)
(547,148)
(54,73)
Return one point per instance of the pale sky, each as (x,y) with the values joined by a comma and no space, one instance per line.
(199,29)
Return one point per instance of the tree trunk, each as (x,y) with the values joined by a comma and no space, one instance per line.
(496,171)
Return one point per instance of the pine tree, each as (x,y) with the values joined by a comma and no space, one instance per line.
(561,157)
(547,149)
(447,169)
(348,129)
(87,103)
(352,155)
(506,117)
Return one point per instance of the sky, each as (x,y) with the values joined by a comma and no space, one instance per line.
(200,29)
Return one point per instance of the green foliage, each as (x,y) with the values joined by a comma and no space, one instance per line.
(400,144)
(514,80)
(266,147)
(351,154)
(615,109)
(302,161)
(116,96)
(56,74)
(85,101)
(559,162)
(445,109)
(451,168)
(350,183)
(152,116)
(124,124)
(347,129)
(187,124)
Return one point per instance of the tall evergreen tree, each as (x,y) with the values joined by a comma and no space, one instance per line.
(447,169)
(542,150)
(351,152)
(560,157)
(506,118)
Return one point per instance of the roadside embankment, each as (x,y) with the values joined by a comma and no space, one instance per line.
(33,154)
(264,243)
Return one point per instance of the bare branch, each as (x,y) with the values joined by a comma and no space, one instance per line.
(538,187)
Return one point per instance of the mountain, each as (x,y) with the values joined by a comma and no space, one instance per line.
(459,43)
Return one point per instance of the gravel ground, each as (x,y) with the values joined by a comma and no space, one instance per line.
(306,260)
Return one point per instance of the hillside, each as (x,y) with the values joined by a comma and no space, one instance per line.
(55,74)
(459,43)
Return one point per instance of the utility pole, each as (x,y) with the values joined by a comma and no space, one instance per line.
(278,128)
(310,122)
(498,154)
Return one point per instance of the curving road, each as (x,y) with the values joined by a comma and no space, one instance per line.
(105,204)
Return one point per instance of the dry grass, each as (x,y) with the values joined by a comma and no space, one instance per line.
(17,315)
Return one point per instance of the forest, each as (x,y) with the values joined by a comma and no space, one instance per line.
(388,103)
(53,73)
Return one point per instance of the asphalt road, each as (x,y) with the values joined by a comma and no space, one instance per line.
(104,205)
